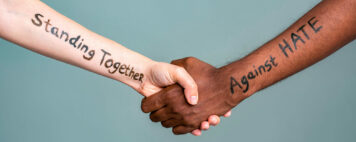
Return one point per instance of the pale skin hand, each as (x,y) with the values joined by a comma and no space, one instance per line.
(37,27)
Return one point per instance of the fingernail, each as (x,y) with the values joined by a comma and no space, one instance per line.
(206,126)
(214,120)
(196,133)
(194,99)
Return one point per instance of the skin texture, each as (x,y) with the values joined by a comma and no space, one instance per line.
(319,33)
(37,27)
(174,109)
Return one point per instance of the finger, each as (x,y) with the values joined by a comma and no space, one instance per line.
(204,125)
(178,62)
(186,81)
(153,102)
(214,120)
(161,115)
(178,130)
(196,132)
(170,123)
(228,114)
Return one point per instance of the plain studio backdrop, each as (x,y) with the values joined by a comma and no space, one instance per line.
(43,100)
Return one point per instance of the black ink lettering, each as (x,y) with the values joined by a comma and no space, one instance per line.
(272,61)
(116,67)
(141,77)
(131,74)
(260,69)
(80,44)
(295,39)
(245,82)
(85,47)
(91,54)
(122,68)
(312,25)
(127,68)
(105,53)
(66,34)
(109,63)
(268,66)
(73,41)
(47,24)
(255,70)
(305,33)
(136,75)
(233,83)
(283,48)
(250,75)
(54,31)
(39,21)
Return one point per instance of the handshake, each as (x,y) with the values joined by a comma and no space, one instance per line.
(171,90)
(216,97)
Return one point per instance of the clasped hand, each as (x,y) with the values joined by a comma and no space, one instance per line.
(171,109)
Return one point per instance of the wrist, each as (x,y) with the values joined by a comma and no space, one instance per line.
(138,72)
(142,85)
(236,78)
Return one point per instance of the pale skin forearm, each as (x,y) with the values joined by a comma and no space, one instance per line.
(319,33)
(37,27)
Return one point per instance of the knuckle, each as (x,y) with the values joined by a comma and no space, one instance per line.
(192,122)
(176,61)
(190,59)
(175,89)
(180,71)
(177,109)
(187,120)
(165,124)
(196,125)
(144,109)
(154,118)
(143,106)
(171,95)
(176,131)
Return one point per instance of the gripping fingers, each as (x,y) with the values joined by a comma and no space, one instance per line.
(160,115)
(170,123)
(181,76)
(196,132)
(178,130)
(228,114)
(153,102)
(214,120)
(204,125)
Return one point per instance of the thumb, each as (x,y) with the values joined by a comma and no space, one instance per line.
(181,76)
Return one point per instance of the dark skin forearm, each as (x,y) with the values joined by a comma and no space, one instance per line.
(319,33)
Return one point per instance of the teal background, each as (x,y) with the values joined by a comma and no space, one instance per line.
(43,100)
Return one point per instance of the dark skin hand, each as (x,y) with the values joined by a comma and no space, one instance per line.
(173,108)
(320,32)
